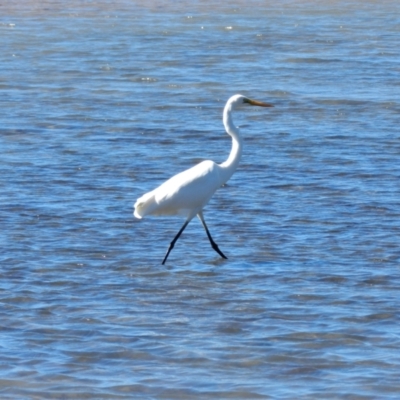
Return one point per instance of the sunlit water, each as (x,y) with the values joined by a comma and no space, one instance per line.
(102,101)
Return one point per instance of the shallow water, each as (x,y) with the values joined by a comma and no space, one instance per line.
(103,101)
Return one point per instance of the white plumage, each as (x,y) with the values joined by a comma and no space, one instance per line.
(184,194)
(188,192)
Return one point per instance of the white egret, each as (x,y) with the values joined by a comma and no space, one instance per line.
(188,192)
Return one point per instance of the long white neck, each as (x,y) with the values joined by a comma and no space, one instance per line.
(229,166)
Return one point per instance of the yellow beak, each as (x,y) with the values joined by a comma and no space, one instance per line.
(259,103)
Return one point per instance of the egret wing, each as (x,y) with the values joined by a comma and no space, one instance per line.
(189,191)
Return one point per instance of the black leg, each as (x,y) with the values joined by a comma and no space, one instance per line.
(213,244)
(172,244)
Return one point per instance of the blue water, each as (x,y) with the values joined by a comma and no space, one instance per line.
(103,101)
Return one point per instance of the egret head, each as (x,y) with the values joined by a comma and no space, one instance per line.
(238,100)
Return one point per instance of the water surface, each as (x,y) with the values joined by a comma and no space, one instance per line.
(101,102)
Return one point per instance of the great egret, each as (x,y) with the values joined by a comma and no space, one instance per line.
(188,192)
